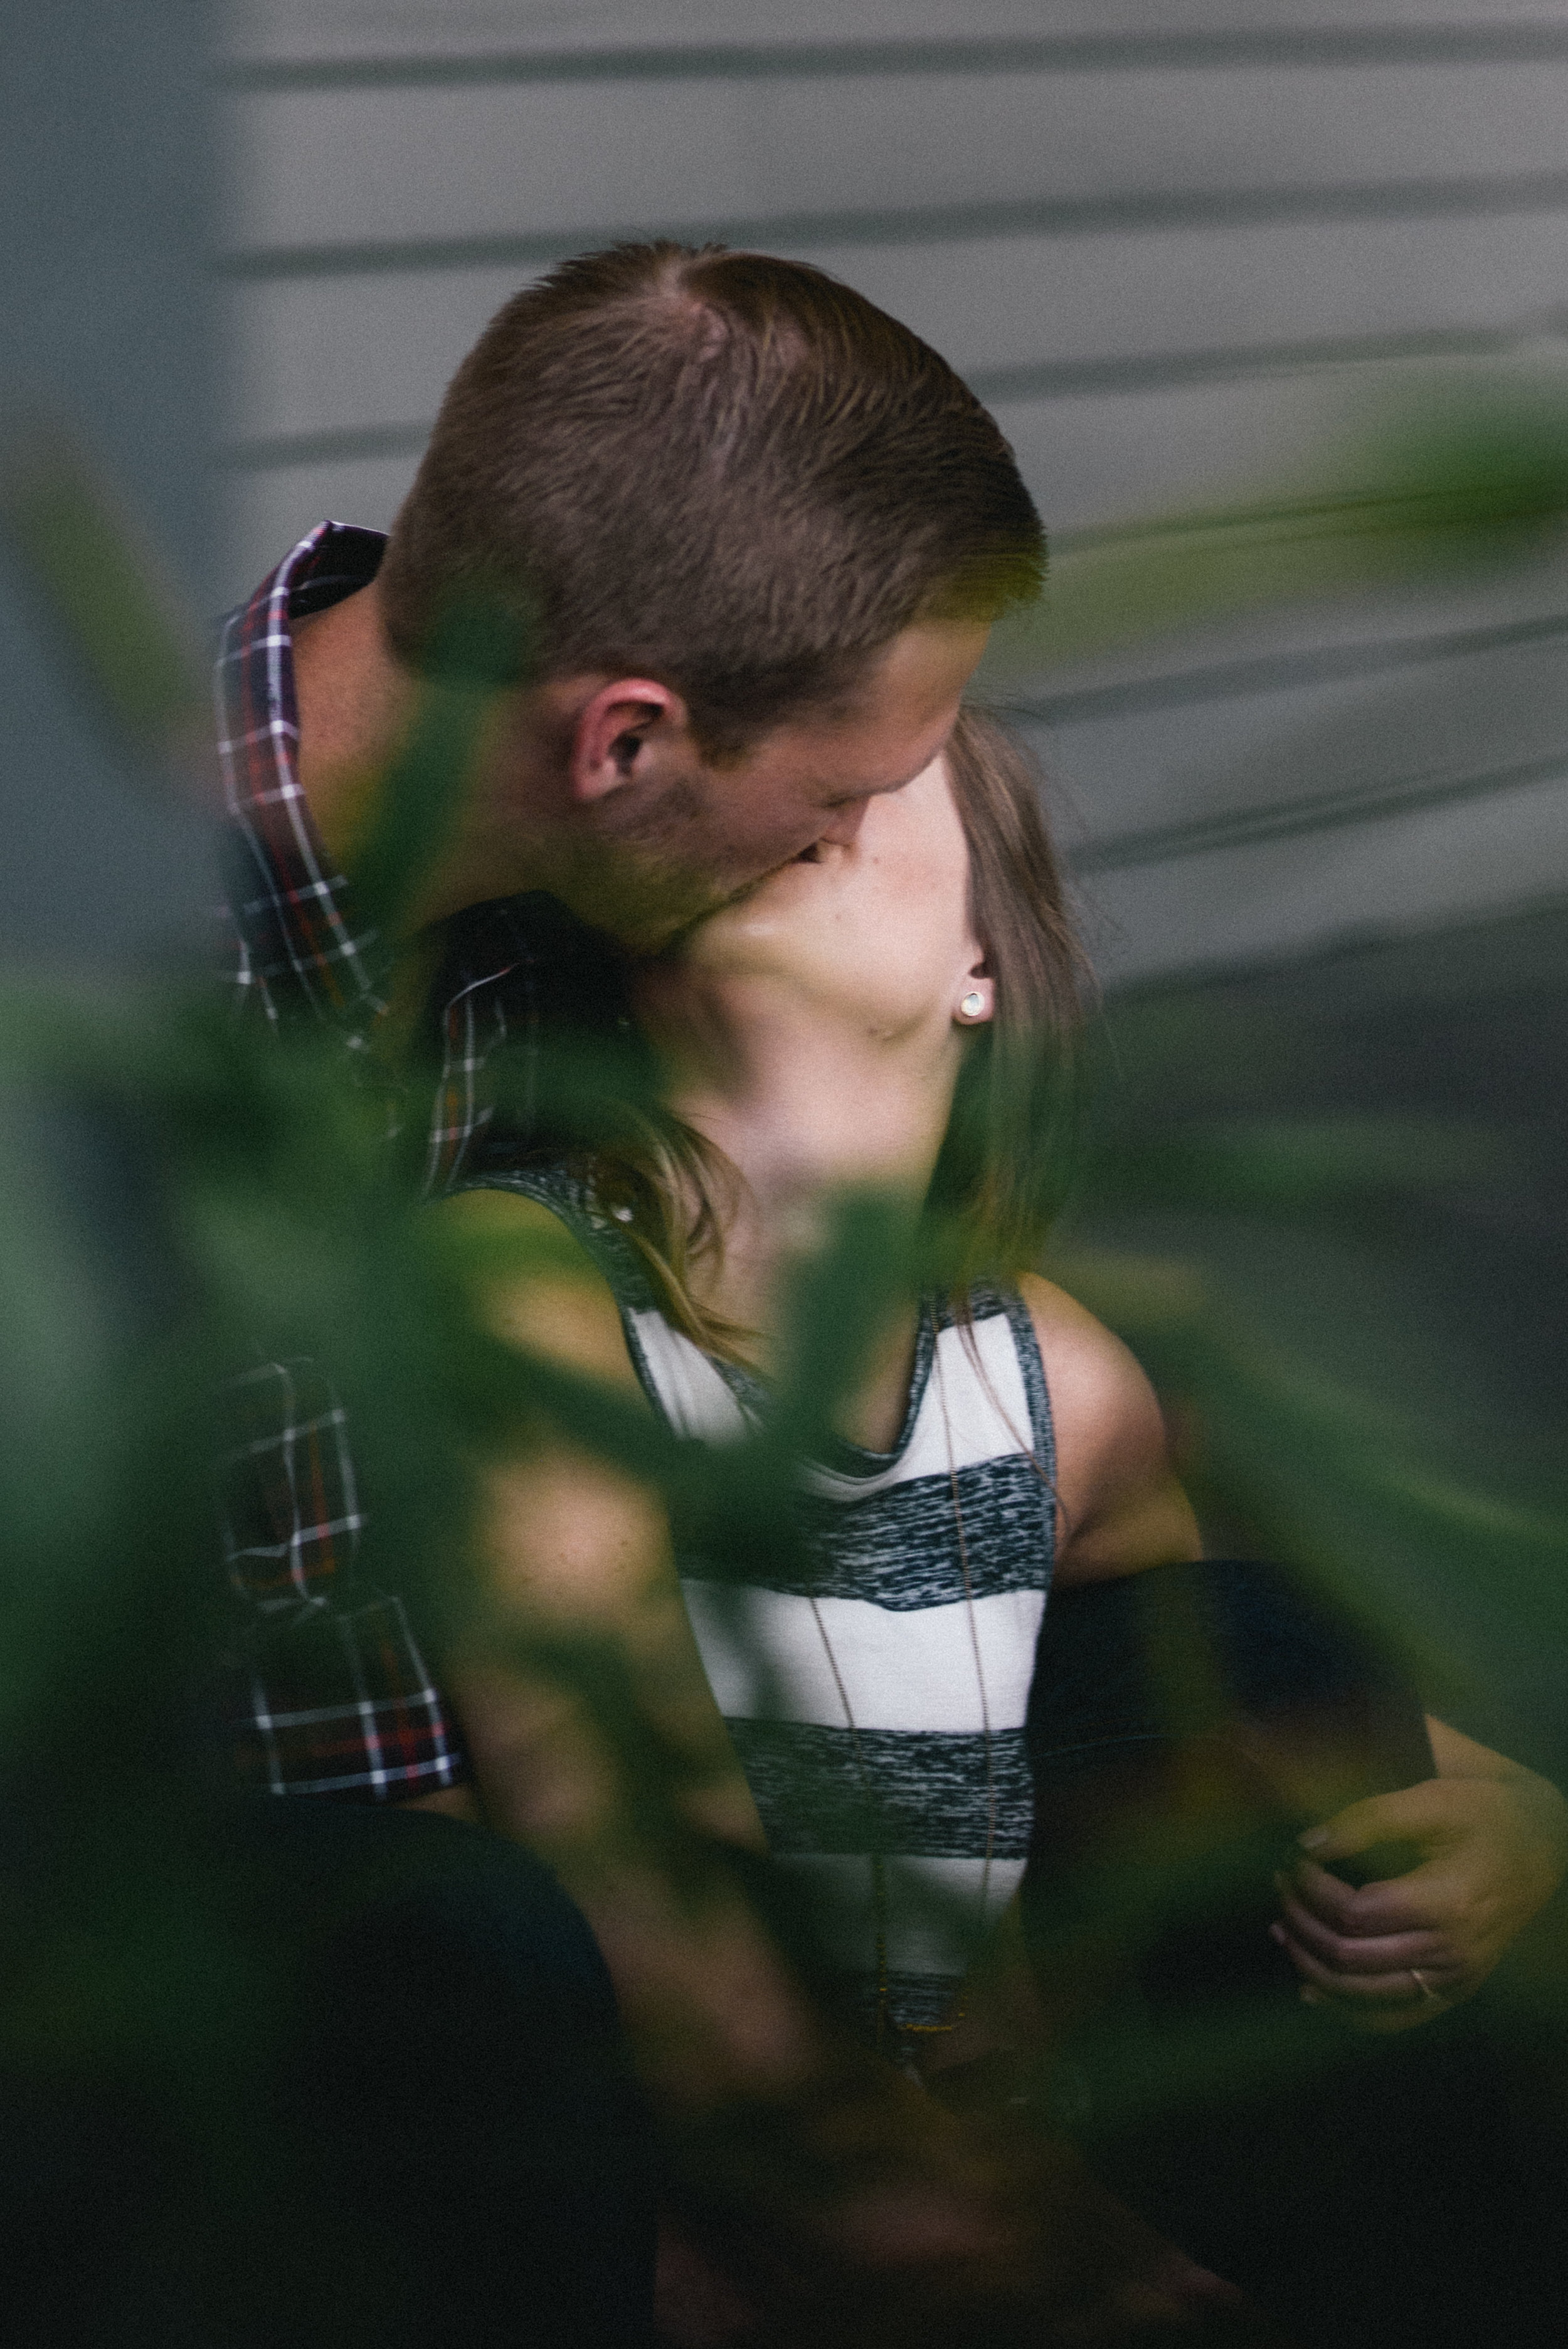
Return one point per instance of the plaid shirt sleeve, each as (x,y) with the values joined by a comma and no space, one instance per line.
(328,1690)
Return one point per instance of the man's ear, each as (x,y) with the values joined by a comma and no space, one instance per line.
(608,737)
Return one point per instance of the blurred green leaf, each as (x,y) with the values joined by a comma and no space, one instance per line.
(95,577)
(290,1229)
(1434,483)
(1283,1165)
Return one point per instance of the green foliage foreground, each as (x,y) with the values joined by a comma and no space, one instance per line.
(178,1196)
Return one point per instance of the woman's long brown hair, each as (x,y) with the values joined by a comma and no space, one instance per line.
(1002,1169)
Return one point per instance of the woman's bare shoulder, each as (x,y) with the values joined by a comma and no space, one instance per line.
(1097,1383)
(1120,1506)
(537,1284)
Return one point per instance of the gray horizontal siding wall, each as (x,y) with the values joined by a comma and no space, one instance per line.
(1171,245)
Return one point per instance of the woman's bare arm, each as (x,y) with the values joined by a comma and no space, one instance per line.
(1119,1505)
(576,1558)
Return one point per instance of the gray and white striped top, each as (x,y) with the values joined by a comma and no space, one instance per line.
(877,1703)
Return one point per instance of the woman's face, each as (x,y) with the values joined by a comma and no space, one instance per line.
(873,930)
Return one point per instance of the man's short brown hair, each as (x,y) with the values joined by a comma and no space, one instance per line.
(724,471)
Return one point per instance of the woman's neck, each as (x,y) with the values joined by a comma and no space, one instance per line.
(805,1109)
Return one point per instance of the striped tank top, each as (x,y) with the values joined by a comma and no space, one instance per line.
(877,1704)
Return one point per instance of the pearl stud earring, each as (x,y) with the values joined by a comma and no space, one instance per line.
(973,1004)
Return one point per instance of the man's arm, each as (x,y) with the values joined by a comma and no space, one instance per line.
(1494,1835)
(1493,1840)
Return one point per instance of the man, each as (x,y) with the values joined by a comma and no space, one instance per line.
(750,533)
(745,536)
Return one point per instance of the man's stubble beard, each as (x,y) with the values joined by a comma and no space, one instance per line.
(639,876)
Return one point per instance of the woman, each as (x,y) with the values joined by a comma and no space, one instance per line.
(873,1016)
(882,1014)
(818,1036)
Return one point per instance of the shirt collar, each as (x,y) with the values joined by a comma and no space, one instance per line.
(303,941)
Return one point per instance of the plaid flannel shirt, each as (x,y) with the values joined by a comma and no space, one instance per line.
(334,1695)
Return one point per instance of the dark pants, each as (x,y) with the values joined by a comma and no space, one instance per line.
(1368,2192)
(398,2117)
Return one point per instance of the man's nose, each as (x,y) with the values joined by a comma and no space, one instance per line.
(844,824)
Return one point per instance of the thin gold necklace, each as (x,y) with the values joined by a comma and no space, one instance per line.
(885,2025)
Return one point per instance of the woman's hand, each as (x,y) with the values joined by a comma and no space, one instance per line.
(1494,1848)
